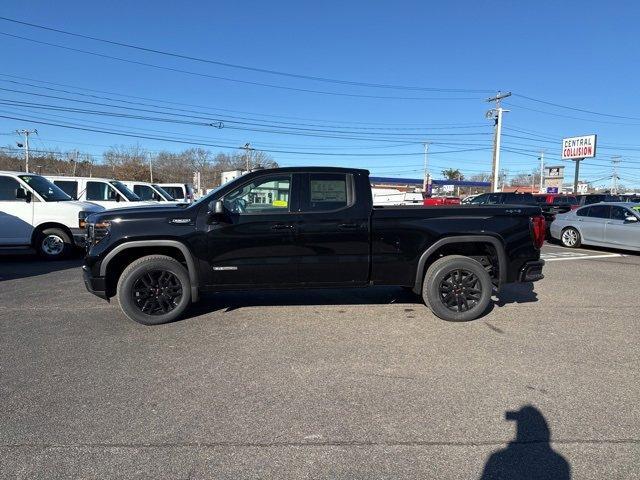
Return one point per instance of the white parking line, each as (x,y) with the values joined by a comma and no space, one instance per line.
(551,257)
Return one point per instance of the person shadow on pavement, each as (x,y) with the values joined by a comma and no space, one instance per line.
(530,455)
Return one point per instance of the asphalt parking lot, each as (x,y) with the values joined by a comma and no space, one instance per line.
(323,384)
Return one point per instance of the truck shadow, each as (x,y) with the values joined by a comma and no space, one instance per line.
(229,301)
(234,300)
(23,266)
(516,293)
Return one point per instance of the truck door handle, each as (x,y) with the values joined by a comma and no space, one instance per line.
(348,226)
(281,226)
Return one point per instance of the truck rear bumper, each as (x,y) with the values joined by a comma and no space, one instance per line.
(95,285)
(532,271)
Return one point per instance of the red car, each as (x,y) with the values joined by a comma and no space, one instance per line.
(438,201)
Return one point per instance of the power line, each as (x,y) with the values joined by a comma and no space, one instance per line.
(238,111)
(225,146)
(511,104)
(209,121)
(208,113)
(215,77)
(244,67)
(576,109)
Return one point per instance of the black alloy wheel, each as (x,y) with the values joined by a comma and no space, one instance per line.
(457,288)
(157,292)
(460,290)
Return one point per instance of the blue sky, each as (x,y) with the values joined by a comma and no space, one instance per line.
(577,54)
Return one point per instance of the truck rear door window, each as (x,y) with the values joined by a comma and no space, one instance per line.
(326,192)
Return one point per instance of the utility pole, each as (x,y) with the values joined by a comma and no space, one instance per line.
(496,115)
(150,169)
(425,182)
(541,171)
(614,174)
(247,149)
(26,134)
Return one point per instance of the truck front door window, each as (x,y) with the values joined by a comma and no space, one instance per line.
(263,195)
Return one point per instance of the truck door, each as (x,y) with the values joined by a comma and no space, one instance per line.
(253,241)
(333,231)
(16,214)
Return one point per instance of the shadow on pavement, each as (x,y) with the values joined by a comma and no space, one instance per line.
(516,293)
(23,266)
(229,301)
(530,455)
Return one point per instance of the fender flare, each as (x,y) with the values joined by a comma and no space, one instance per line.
(497,244)
(191,264)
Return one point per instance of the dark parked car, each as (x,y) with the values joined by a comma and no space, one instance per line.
(308,227)
(504,198)
(590,198)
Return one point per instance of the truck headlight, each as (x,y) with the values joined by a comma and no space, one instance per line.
(82,218)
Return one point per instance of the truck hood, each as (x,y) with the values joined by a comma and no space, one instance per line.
(135,205)
(155,210)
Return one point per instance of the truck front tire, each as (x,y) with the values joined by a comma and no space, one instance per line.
(154,289)
(457,288)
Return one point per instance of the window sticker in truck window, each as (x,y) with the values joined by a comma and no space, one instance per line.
(328,191)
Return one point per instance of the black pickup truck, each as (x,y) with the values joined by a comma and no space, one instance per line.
(308,227)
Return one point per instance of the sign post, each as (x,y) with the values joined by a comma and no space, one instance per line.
(553,179)
(577,149)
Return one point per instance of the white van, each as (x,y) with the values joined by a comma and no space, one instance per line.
(105,192)
(150,191)
(182,192)
(35,213)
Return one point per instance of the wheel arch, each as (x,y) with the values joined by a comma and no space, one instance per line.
(432,253)
(43,226)
(123,254)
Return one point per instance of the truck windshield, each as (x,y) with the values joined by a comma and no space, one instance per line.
(122,188)
(43,187)
(163,192)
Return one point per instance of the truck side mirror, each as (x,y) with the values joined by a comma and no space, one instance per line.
(216,212)
(22,194)
(630,219)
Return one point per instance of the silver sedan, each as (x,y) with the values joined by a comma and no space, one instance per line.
(610,224)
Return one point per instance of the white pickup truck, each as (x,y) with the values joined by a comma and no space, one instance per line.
(35,213)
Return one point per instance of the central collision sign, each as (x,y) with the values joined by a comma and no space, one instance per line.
(579,147)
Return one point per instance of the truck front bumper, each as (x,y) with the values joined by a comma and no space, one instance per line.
(532,271)
(95,285)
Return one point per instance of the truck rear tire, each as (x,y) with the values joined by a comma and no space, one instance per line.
(154,289)
(457,288)
(53,244)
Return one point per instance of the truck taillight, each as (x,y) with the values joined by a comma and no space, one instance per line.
(538,230)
